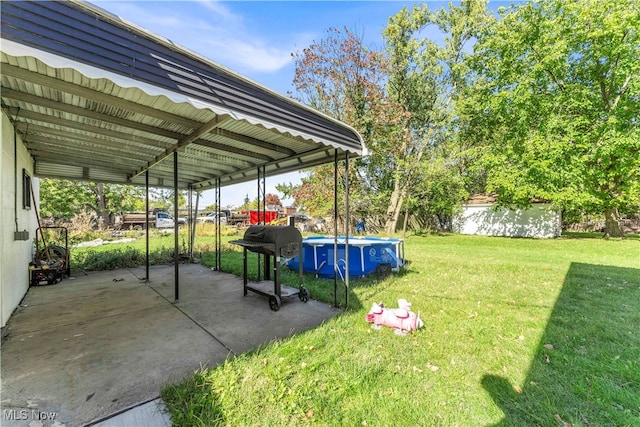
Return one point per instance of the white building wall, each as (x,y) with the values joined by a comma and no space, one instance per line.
(15,254)
(539,221)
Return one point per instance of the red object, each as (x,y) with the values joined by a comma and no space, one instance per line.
(265,216)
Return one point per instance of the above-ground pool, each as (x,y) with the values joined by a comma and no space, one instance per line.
(366,255)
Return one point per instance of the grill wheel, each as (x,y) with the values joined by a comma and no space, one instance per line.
(274,302)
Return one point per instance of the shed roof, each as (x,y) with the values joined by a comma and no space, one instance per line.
(492,199)
(96,98)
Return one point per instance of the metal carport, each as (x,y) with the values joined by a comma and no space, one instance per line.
(96,98)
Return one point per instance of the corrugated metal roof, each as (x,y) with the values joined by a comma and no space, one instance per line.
(96,98)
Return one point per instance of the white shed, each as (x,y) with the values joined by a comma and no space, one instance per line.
(481,216)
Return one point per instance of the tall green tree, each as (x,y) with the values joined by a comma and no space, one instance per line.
(427,73)
(400,100)
(556,106)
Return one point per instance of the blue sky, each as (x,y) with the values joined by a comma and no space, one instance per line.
(256,39)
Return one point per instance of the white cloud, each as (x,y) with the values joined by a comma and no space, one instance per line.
(251,54)
(211,29)
(220,10)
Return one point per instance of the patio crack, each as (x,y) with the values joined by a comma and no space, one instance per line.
(193,320)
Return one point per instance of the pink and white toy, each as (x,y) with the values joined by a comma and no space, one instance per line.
(402,319)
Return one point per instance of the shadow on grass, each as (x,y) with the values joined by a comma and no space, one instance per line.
(586,370)
(431,233)
(573,235)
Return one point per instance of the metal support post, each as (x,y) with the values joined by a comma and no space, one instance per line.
(218,230)
(176,254)
(346,230)
(146,231)
(335,228)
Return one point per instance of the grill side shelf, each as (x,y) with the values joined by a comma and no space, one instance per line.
(265,248)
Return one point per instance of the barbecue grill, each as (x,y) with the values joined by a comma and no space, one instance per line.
(277,242)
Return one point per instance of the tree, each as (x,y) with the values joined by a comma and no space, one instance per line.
(425,79)
(210,208)
(272,199)
(64,199)
(248,203)
(345,79)
(437,197)
(162,198)
(555,111)
(316,193)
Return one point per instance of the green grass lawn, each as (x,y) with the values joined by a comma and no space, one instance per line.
(517,332)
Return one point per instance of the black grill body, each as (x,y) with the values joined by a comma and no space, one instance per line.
(277,242)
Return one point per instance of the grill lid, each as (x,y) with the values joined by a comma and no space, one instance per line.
(281,240)
(277,234)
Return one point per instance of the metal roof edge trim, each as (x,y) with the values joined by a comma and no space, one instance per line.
(12,48)
(19,50)
(186,51)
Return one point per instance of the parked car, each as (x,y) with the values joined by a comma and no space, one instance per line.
(211,218)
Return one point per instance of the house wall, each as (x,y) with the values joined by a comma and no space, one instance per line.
(539,221)
(15,254)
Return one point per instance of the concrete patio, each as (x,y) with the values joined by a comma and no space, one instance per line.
(93,346)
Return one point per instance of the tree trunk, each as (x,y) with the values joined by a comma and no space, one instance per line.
(406,224)
(393,211)
(103,213)
(612,223)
